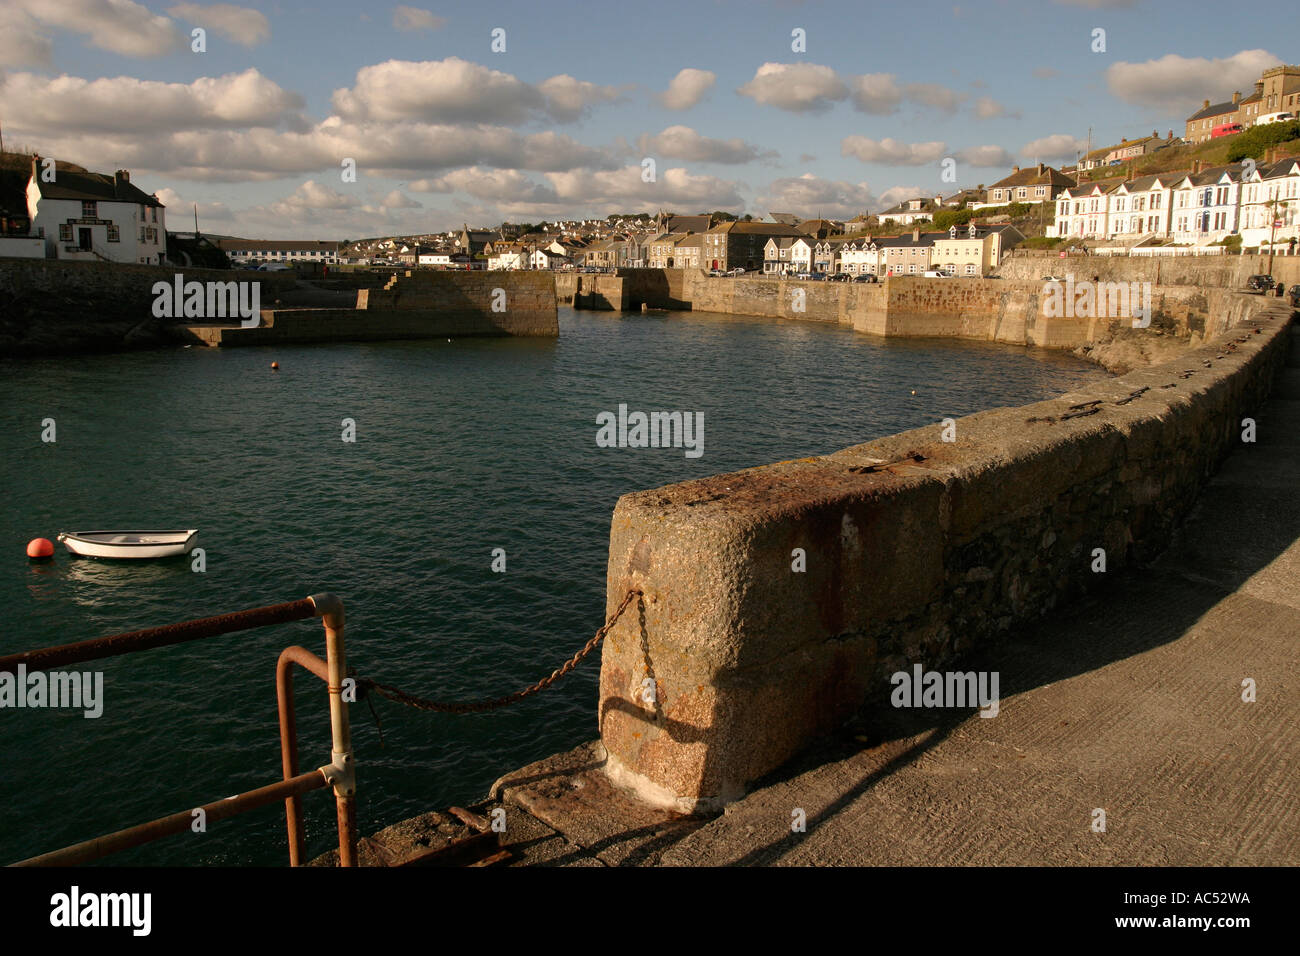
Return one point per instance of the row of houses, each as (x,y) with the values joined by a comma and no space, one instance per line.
(1200,207)
(975,250)
(1276,91)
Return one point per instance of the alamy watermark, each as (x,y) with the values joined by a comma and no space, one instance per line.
(78,690)
(923,688)
(1101,300)
(208,300)
(651,430)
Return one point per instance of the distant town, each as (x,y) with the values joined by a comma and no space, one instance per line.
(1230,183)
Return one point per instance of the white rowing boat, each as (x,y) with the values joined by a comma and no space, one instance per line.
(130,544)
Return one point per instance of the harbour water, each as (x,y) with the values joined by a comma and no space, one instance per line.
(461,448)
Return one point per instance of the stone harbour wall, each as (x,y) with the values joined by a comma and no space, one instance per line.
(917,550)
(53,307)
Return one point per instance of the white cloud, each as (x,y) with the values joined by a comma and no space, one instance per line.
(798,87)
(812,88)
(687,88)
(896,194)
(21,42)
(891,152)
(1058,146)
(181,210)
(409,19)
(682,142)
(399,200)
(1179,83)
(932,94)
(985,156)
(568,99)
(986,107)
(458,91)
(119,26)
(876,93)
(809,195)
(240,24)
(123,105)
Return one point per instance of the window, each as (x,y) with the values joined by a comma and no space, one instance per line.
(142,233)
(113,234)
(1021,193)
(154,217)
(65,232)
(88,209)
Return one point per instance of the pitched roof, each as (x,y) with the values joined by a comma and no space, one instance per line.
(99,187)
(784,218)
(1039,175)
(1217,109)
(687,223)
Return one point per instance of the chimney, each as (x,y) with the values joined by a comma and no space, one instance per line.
(1015,169)
(1236,98)
(1040,169)
(916,234)
(1171,135)
(121,179)
(1205,104)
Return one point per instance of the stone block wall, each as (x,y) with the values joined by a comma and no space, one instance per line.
(917,550)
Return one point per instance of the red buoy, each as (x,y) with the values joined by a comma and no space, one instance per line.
(275,366)
(38,549)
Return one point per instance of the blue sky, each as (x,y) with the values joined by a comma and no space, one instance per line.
(443,129)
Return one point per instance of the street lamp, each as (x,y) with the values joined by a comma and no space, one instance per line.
(1273,205)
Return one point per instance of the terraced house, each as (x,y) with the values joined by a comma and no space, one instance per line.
(1270,207)
(741,245)
(1205,205)
(1083,211)
(1140,208)
(1033,184)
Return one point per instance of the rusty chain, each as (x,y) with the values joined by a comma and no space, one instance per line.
(478,706)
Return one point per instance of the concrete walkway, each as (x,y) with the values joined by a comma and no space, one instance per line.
(1130,702)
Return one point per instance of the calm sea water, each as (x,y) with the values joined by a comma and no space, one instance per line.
(462,447)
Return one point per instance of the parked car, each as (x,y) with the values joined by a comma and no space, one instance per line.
(865,277)
(1274,118)
(937,274)
(803,275)
(1053,278)
(738,271)
(1260,283)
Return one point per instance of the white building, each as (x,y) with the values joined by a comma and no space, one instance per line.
(859,256)
(1206,205)
(257,251)
(1140,208)
(95,217)
(1082,212)
(1272,195)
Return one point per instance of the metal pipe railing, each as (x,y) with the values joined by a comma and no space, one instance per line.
(340,773)
(289,737)
(181,822)
(131,641)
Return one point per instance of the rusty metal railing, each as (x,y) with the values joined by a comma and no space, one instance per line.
(339,773)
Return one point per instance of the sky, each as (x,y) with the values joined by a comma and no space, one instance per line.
(478,113)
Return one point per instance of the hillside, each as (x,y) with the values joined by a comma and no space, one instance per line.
(1253,143)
